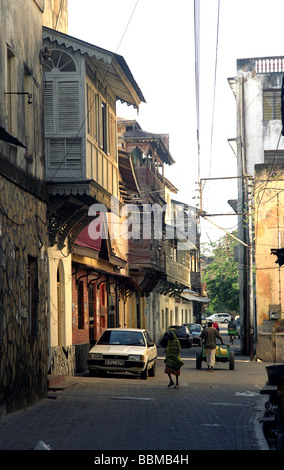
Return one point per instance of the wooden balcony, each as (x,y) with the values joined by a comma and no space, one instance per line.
(146,254)
(151,182)
(177,273)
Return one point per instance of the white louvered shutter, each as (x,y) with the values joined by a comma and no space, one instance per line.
(57,152)
(49,116)
(68,106)
(73,153)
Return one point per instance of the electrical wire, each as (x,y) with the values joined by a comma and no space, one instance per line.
(197,76)
(214,90)
(126,28)
(59,13)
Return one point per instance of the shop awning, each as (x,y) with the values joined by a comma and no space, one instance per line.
(194,297)
(84,240)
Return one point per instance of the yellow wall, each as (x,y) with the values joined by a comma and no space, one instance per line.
(60,260)
(269,233)
(56,15)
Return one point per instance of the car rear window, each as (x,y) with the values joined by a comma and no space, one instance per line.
(195,328)
(125,338)
(177,329)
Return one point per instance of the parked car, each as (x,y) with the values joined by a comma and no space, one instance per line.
(195,330)
(219,317)
(182,333)
(124,350)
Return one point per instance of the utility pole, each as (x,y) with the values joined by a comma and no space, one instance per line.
(250,259)
(251,279)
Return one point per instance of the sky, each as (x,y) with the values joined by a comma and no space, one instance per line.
(156,38)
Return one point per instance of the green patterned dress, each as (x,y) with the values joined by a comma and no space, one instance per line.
(173,362)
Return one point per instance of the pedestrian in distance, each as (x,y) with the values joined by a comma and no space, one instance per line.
(210,336)
(173,362)
(216,326)
(232,330)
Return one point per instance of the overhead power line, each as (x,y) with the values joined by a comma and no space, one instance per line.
(197,75)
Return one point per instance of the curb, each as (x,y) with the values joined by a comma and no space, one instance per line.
(259,441)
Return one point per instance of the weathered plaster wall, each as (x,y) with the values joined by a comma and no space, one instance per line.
(56,15)
(61,351)
(269,233)
(23,358)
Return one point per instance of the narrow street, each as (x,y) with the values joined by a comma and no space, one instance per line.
(210,411)
(117,212)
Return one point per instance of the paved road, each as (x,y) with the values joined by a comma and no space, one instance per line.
(210,411)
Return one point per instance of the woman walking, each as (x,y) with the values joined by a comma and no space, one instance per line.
(173,362)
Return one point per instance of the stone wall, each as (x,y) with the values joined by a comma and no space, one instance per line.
(270,347)
(62,361)
(23,347)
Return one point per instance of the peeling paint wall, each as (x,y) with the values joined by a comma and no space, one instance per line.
(56,15)
(257,136)
(269,234)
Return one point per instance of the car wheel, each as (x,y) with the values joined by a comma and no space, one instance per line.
(144,374)
(152,371)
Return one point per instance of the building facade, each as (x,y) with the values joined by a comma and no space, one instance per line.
(257,89)
(82,84)
(269,235)
(160,255)
(23,202)
(103,294)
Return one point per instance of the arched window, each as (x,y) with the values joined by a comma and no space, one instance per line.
(59,61)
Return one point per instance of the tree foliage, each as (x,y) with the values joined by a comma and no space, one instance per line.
(220,274)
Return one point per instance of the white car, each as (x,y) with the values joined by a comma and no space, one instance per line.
(219,317)
(124,350)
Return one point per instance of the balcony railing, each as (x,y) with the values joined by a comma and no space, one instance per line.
(177,272)
(149,180)
(269,65)
(147,254)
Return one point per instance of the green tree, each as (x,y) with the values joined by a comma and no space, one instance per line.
(220,275)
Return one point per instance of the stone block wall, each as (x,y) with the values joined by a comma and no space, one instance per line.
(270,347)
(23,348)
(62,361)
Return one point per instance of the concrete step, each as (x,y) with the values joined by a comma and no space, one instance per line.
(55,380)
